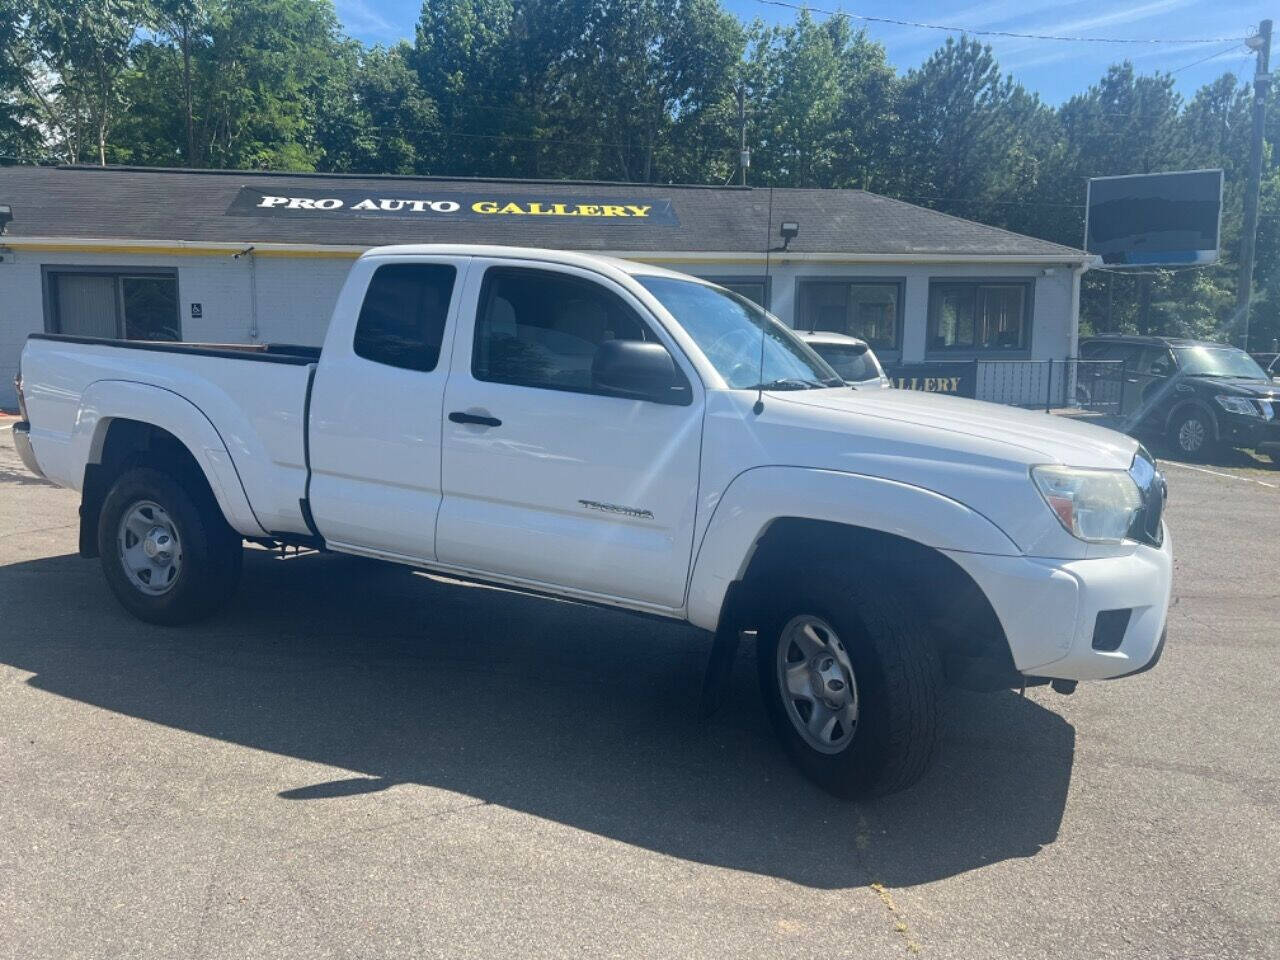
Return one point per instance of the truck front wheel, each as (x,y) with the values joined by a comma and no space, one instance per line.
(168,554)
(1192,434)
(851,684)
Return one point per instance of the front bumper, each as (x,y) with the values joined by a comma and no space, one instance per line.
(1049,608)
(22,443)
(1249,432)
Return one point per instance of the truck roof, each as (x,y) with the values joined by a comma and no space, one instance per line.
(830,337)
(1152,340)
(589,260)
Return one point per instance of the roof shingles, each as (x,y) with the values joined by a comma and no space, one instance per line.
(165,205)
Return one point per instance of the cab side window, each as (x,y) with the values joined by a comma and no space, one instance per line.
(1156,361)
(1127,352)
(402,320)
(537,328)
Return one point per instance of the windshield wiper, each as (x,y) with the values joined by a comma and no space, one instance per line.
(789,383)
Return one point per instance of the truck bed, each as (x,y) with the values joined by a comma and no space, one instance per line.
(254,397)
(267,352)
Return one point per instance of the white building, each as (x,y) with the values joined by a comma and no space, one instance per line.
(231,256)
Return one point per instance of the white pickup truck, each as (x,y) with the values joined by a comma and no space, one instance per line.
(619,434)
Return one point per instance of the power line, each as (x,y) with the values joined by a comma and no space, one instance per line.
(1196,63)
(996,33)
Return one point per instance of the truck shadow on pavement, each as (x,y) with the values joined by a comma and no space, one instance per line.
(580,716)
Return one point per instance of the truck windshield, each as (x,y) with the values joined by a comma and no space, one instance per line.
(1218,362)
(728,330)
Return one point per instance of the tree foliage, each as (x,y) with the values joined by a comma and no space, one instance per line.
(642,90)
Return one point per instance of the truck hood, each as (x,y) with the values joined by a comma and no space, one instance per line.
(1030,437)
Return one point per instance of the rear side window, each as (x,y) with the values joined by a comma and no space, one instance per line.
(402,320)
(541,329)
(853,363)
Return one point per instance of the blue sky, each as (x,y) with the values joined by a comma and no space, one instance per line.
(1054,70)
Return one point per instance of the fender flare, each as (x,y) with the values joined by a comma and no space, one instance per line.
(752,502)
(106,400)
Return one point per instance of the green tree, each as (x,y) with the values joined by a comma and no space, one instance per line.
(650,84)
(19,136)
(376,117)
(186,24)
(81,51)
(969,139)
(470,60)
(821,104)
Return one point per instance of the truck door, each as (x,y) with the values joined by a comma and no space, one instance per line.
(376,406)
(546,478)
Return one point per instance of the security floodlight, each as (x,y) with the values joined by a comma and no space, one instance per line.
(6,216)
(790,229)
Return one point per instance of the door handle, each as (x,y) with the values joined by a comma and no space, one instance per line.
(459,417)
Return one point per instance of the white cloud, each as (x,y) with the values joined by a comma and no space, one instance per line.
(1133,14)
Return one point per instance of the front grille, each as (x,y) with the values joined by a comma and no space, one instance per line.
(1146,526)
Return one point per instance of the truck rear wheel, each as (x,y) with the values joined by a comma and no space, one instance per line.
(169,555)
(851,684)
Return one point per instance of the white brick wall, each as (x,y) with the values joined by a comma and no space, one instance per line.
(295,296)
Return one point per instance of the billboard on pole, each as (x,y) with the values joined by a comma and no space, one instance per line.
(1155,219)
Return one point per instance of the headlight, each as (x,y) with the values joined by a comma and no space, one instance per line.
(1094,505)
(1241,405)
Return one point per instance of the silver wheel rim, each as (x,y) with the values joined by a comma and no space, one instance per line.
(817,683)
(150,550)
(1191,435)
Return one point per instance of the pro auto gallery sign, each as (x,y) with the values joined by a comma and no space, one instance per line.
(494,205)
(958,378)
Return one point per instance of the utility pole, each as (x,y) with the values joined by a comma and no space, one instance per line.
(1260,42)
(744,155)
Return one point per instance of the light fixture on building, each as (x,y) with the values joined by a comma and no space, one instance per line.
(790,229)
(6,217)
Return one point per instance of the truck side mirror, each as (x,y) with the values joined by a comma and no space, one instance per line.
(640,370)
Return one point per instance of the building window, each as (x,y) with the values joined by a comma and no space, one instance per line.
(402,320)
(755,289)
(127,305)
(986,315)
(868,309)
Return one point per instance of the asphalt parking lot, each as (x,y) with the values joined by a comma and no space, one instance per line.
(362,761)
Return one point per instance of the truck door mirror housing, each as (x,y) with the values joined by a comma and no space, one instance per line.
(640,370)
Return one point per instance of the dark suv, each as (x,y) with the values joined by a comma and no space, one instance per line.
(1196,393)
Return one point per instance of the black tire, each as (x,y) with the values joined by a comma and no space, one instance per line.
(211,551)
(1188,427)
(897,676)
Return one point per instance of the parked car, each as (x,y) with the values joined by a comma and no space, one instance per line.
(616,434)
(850,357)
(1196,393)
